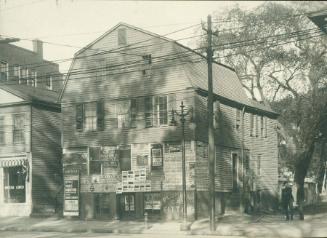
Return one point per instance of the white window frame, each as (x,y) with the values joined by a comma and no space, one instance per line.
(6,67)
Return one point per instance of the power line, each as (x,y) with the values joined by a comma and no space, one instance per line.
(135,63)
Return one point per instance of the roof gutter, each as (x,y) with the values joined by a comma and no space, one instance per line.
(247,108)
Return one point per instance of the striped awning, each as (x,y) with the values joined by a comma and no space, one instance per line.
(12,162)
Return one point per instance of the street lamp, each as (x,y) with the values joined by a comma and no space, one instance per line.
(182,114)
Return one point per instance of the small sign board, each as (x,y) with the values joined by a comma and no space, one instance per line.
(71,193)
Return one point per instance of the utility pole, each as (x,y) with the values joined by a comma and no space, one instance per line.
(183,113)
(211,136)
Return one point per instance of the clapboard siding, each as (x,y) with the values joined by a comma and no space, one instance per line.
(167,72)
(46,156)
(116,136)
(9,147)
(228,139)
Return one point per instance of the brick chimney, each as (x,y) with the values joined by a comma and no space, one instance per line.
(38,47)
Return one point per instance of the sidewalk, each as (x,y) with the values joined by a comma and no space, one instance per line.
(230,225)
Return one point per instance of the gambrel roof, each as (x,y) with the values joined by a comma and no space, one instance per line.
(226,85)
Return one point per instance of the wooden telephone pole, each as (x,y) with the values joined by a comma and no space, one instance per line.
(211,136)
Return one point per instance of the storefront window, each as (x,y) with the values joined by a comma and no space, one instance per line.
(14,185)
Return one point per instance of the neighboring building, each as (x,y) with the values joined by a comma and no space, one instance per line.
(119,144)
(30,149)
(26,67)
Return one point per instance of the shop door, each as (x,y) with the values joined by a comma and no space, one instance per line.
(127,205)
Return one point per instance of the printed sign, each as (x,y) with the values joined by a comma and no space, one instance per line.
(71,193)
(134,181)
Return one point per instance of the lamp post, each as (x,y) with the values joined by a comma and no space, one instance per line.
(182,114)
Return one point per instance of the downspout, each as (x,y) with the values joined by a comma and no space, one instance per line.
(243,204)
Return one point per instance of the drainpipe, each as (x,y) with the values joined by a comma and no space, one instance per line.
(243,204)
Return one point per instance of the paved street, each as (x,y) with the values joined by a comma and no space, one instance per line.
(97,235)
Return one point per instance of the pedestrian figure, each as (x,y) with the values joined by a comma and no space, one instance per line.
(287,200)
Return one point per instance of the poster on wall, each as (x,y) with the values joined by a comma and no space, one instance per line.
(71,193)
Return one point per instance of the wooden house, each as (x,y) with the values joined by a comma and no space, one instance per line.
(121,155)
(30,149)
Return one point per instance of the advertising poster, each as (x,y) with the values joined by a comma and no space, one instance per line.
(71,193)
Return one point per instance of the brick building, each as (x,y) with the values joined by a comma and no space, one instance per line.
(121,154)
(30,151)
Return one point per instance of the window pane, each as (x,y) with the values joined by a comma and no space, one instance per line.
(122,36)
(2,130)
(3,71)
(18,128)
(91,116)
(14,184)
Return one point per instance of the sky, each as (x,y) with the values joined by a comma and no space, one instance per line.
(75,23)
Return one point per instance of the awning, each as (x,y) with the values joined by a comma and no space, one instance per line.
(12,162)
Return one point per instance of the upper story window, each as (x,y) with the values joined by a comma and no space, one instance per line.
(18,128)
(133,111)
(122,39)
(258,169)
(3,71)
(237,119)
(16,72)
(24,74)
(90,116)
(263,123)
(156,111)
(254,125)
(32,79)
(2,130)
(48,81)
(147,60)
(216,114)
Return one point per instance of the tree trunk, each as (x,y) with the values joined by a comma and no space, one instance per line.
(322,166)
(301,169)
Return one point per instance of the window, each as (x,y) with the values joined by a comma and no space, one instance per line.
(133,113)
(251,125)
(31,81)
(3,71)
(161,108)
(156,156)
(16,73)
(238,119)
(122,36)
(24,76)
(147,60)
(95,162)
(90,116)
(256,120)
(265,126)
(262,126)
(148,107)
(156,112)
(258,169)
(18,129)
(216,115)
(48,82)
(79,116)
(122,109)
(2,130)
(100,115)
(235,171)
(125,158)
(14,184)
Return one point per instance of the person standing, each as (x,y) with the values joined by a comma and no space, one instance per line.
(287,200)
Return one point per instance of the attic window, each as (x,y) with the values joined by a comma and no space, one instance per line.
(122,36)
(147,60)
